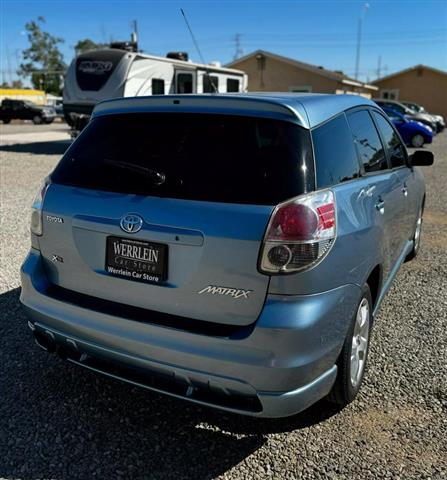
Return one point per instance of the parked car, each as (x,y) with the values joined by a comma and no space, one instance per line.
(228,250)
(409,114)
(59,109)
(414,134)
(25,110)
(439,119)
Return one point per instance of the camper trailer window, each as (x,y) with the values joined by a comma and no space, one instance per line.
(158,86)
(232,85)
(210,84)
(184,83)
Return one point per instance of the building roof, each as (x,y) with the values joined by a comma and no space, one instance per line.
(338,76)
(305,109)
(406,70)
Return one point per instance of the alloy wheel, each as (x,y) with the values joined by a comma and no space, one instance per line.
(417,141)
(417,233)
(359,347)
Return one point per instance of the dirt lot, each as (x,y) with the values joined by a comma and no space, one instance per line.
(60,422)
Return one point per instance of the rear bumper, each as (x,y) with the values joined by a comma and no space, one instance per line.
(49,115)
(285,364)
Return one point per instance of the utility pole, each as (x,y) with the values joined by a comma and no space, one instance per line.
(134,35)
(238,48)
(359,39)
(379,66)
(8,61)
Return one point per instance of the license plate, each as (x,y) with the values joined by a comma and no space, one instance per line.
(137,259)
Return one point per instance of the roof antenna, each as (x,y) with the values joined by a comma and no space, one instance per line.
(198,50)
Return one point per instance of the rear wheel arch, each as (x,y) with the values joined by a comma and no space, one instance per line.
(374,282)
(352,360)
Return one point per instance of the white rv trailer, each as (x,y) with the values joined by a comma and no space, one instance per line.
(102,74)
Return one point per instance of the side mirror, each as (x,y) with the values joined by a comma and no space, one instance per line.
(421,158)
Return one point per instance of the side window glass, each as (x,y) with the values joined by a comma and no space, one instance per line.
(335,155)
(210,84)
(158,86)
(232,85)
(367,140)
(184,83)
(393,116)
(393,144)
(397,107)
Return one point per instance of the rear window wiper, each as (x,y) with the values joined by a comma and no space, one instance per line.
(158,178)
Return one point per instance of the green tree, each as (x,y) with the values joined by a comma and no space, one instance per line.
(87,44)
(17,84)
(14,84)
(43,60)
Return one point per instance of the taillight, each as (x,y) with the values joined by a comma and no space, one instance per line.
(301,232)
(36,209)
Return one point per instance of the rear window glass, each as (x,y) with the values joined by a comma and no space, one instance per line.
(219,158)
(94,68)
(335,155)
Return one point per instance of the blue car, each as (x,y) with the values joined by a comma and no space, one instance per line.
(231,251)
(414,134)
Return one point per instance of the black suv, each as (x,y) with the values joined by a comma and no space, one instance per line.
(26,110)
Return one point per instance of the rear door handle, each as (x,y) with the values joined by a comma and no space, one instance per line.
(405,190)
(380,206)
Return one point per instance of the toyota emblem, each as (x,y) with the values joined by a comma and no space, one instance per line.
(131,223)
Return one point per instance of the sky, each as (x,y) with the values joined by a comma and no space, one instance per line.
(402,33)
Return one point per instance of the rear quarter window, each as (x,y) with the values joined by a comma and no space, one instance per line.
(219,158)
(335,155)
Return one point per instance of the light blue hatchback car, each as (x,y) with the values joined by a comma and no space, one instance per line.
(231,250)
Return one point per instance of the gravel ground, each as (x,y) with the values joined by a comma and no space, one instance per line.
(20,126)
(58,421)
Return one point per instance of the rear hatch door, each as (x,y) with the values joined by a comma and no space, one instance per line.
(168,211)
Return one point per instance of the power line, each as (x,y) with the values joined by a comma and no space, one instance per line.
(324,38)
(395,33)
(434,41)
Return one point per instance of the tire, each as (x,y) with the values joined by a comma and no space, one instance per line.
(351,364)
(6,120)
(417,141)
(37,120)
(416,236)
